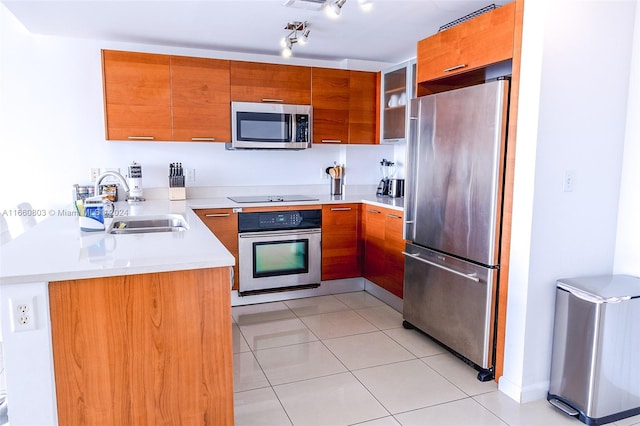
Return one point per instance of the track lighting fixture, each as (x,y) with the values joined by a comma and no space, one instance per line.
(292,38)
(299,31)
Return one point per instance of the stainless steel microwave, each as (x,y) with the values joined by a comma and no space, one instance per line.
(270,126)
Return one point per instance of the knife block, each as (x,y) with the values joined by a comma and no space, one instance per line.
(179,193)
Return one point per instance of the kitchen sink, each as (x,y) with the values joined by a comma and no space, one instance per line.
(145,224)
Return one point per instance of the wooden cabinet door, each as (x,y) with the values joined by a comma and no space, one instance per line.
(200,99)
(224,224)
(260,82)
(341,241)
(148,349)
(374,246)
(330,100)
(137,96)
(394,245)
(473,44)
(364,109)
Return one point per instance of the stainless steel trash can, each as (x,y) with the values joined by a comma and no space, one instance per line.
(595,364)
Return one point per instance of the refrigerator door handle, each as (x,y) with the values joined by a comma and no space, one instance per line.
(409,229)
(416,256)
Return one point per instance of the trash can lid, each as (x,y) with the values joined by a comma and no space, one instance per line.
(603,288)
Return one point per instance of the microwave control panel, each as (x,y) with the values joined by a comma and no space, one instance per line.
(302,127)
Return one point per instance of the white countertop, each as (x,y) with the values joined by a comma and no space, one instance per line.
(222,202)
(55,249)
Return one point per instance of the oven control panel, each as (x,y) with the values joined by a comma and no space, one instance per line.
(279,219)
(276,220)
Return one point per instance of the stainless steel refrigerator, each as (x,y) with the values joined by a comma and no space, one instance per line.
(453,212)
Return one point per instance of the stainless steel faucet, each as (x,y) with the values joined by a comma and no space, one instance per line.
(123,181)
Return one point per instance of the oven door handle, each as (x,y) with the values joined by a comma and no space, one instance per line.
(277,233)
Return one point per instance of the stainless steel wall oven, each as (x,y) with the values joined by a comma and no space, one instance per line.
(279,249)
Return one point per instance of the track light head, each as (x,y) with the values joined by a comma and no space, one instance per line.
(305,37)
(334,7)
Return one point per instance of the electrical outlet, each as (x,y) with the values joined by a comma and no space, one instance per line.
(94,172)
(23,314)
(191,175)
(569,181)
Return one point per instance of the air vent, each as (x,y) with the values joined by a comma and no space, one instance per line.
(305,4)
(467,17)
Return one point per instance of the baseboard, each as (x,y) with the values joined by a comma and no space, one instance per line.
(346,285)
(523,394)
(389,298)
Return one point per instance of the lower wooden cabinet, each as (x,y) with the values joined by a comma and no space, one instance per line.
(383,246)
(145,349)
(224,224)
(341,241)
(394,245)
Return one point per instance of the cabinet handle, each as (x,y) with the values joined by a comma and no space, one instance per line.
(141,138)
(331,141)
(394,216)
(457,67)
(373,211)
(272,100)
(203,139)
(217,215)
(340,209)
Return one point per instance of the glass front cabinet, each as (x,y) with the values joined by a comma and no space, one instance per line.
(398,87)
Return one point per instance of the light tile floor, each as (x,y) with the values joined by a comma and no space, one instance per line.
(346,359)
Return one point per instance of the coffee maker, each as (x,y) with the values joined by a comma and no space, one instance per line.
(387,170)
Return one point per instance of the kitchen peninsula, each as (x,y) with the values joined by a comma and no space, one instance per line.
(128,328)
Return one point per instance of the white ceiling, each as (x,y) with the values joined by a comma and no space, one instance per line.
(387,33)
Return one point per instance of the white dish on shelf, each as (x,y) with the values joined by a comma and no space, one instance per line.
(403,99)
(393,101)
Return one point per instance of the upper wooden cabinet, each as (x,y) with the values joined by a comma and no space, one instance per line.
(200,99)
(260,82)
(473,44)
(165,98)
(363,107)
(345,106)
(137,96)
(178,98)
(330,99)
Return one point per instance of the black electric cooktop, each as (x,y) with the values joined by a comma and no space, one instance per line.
(271,198)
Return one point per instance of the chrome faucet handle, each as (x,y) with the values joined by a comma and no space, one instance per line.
(123,181)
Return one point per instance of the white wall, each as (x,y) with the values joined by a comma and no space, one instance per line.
(573,108)
(627,259)
(52,127)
